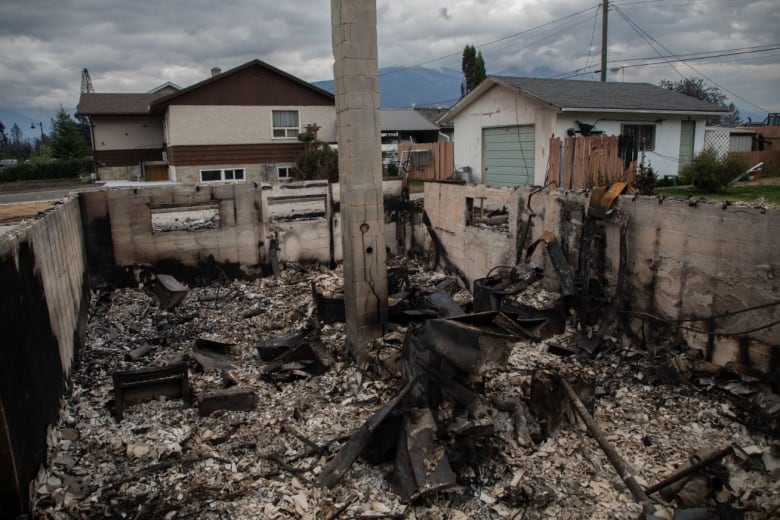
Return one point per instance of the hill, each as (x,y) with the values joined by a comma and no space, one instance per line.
(401,87)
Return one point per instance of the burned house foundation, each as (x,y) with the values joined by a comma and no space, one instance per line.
(660,316)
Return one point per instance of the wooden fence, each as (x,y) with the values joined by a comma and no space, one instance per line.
(770,158)
(430,161)
(585,162)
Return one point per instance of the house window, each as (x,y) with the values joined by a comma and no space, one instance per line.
(284,173)
(285,123)
(233,174)
(643,136)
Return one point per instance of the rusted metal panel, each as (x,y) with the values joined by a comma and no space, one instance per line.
(135,386)
(421,464)
(236,398)
(169,291)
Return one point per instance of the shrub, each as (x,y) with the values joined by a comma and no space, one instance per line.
(710,173)
(318,161)
(65,169)
(645,180)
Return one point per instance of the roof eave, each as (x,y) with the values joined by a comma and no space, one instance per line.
(646,111)
(466,100)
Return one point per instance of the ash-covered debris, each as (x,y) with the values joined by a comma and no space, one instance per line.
(514,447)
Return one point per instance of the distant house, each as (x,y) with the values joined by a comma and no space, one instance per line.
(503,127)
(410,125)
(239,125)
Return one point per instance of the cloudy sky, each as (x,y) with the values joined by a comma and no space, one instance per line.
(135,45)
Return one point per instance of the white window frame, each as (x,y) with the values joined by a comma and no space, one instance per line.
(290,132)
(640,145)
(225,175)
(288,169)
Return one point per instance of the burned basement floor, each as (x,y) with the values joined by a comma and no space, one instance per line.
(657,406)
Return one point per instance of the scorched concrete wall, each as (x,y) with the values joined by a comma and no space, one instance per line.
(303,219)
(683,261)
(43,306)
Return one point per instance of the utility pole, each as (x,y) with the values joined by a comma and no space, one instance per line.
(353,25)
(604,10)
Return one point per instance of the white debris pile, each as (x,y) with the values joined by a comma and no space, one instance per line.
(164,460)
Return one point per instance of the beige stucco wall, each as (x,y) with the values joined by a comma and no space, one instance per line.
(252,172)
(216,125)
(127,133)
(663,158)
(498,107)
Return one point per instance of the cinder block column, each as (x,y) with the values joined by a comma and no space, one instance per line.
(360,170)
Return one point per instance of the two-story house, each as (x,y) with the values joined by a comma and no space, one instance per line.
(239,125)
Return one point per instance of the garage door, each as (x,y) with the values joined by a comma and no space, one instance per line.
(509,155)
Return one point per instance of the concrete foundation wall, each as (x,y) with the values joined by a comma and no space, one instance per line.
(119,231)
(43,305)
(682,261)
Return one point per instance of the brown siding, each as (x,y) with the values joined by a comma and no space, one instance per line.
(234,154)
(127,157)
(254,86)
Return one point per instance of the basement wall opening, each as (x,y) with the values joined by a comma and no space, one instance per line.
(184,218)
(291,208)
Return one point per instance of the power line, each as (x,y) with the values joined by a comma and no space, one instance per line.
(492,42)
(592,34)
(693,57)
(634,24)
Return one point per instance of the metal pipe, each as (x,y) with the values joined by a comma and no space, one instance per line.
(624,470)
(693,468)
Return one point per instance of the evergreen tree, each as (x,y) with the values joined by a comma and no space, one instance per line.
(3,137)
(473,67)
(16,136)
(67,142)
(696,87)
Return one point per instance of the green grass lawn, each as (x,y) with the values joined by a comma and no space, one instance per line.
(770,192)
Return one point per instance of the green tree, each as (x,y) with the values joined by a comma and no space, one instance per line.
(473,67)
(3,137)
(318,160)
(67,142)
(696,87)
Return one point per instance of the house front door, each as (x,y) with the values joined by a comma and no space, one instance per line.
(687,134)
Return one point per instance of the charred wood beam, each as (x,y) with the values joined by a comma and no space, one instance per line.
(559,262)
(421,465)
(591,344)
(355,445)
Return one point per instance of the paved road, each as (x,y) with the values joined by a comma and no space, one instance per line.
(59,193)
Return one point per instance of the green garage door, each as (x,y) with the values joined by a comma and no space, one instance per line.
(509,155)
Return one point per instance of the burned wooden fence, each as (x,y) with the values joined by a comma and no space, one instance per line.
(585,162)
(427,161)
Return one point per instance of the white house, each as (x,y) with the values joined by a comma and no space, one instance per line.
(503,127)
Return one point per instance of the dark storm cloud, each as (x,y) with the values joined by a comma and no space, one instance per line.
(132,46)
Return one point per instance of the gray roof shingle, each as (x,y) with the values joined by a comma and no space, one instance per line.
(404,119)
(117,104)
(595,95)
